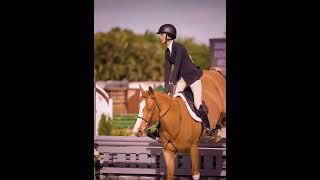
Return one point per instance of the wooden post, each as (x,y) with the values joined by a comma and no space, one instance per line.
(94,91)
(110,103)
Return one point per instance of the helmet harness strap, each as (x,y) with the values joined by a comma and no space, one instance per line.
(167,38)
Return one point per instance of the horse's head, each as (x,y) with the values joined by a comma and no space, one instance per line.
(148,112)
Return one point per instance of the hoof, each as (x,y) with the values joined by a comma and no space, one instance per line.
(217,139)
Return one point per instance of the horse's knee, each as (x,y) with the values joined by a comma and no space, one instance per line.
(196,176)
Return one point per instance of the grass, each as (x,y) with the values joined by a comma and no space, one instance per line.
(121,132)
(124,121)
(122,125)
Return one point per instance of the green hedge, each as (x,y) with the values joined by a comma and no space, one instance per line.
(105,126)
(124,121)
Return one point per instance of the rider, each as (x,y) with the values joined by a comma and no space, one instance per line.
(185,72)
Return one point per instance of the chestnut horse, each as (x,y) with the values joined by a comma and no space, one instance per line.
(179,133)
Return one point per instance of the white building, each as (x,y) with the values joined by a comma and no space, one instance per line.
(103,105)
(218,54)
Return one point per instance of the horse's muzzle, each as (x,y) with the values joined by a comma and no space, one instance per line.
(139,133)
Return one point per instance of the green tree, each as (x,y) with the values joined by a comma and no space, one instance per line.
(198,52)
(104,127)
(121,54)
(159,88)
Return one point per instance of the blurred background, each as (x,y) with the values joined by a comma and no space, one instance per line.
(127,52)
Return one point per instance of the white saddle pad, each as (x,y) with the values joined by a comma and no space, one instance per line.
(192,114)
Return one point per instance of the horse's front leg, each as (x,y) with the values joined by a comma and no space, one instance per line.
(169,157)
(195,162)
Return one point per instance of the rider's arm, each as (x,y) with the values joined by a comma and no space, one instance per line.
(177,64)
(167,74)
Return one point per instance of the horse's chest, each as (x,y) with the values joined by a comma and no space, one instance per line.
(174,147)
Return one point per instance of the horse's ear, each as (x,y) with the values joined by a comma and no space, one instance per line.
(141,89)
(142,92)
(151,92)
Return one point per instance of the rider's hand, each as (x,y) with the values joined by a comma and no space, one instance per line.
(170,88)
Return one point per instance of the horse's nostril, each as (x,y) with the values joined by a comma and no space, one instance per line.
(139,133)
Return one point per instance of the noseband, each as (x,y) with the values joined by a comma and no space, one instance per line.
(148,121)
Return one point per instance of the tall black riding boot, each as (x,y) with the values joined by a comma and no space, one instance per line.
(203,114)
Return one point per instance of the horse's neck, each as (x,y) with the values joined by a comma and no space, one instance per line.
(170,122)
(163,101)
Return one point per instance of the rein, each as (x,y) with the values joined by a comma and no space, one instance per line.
(148,121)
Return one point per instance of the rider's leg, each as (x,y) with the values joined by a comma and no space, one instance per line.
(181,85)
(196,88)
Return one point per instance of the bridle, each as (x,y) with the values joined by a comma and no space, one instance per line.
(148,121)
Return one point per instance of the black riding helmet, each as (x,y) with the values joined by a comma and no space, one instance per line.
(169,29)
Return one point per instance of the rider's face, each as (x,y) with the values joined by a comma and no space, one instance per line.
(162,38)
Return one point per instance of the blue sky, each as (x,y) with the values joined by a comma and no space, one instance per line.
(200,19)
